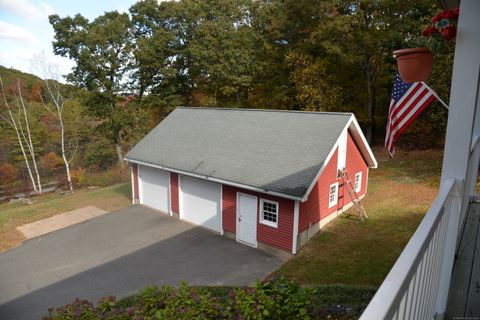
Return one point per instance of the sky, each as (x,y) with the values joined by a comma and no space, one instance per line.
(25,30)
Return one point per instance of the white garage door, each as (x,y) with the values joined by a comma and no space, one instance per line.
(154,188)
(200,202)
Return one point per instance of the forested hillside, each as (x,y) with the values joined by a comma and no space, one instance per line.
(133,69)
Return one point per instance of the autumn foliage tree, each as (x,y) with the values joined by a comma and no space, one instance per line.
(8,173)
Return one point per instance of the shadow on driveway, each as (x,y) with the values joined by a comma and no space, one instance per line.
(119,254)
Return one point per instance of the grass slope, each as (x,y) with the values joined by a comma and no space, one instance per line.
(352,252)
(11,216)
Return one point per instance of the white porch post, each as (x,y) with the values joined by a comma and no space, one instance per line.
(462,123)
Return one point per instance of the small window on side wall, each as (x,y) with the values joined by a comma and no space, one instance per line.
(358,182)
(333,195)
(269,213)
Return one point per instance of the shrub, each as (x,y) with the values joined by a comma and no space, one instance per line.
(79,176)
(8,173)
(106,178)
(50,161)
(84,178)
(280,299)
(274,300)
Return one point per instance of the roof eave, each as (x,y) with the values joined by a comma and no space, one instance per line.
(213,179)
(357,134)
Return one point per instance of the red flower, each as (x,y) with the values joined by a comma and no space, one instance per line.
(451,14)
(438,17)
(449,32)
(429,31)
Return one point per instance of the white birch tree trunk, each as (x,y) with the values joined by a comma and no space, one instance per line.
(28,138)
(58,101)
(12,122)
(64,154)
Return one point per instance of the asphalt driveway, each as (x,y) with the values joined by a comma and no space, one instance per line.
(118,254)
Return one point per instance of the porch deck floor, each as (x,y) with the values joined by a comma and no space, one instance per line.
(464,295)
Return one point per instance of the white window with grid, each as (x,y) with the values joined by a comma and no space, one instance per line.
(333,195)
(269,213)
(358,182)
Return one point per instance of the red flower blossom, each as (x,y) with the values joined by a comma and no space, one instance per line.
(429,31)
(451,14)
(449,32)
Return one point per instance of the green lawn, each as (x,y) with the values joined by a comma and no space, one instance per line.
(11,216)
(352,252)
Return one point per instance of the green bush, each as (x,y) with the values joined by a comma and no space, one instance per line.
(274,300)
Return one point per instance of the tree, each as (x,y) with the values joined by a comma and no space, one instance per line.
(202,52)
(56,108)
(102,50)
(18,120)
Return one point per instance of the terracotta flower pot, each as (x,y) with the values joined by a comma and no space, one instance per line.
(414,64)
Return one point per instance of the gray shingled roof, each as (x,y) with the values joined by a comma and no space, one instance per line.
(276,151)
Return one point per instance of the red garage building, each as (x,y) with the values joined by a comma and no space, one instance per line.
(263,177)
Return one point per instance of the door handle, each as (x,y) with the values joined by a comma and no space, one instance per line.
(239,219)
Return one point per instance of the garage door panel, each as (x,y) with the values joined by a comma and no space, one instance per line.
(201,202)
(154,185)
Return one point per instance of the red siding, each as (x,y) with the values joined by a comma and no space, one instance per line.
(316,207)
(280,237)
(174,192)
(356,163)
(135,194)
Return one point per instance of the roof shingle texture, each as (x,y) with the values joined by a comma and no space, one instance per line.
(277,151)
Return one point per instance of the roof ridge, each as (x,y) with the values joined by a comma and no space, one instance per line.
(266,110)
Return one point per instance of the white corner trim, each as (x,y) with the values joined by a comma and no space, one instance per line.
(139,181)
(221,209)
(296,213)
(180,198)
(133,184)
(169,192)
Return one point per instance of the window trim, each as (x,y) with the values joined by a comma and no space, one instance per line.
(332,203)
(358,187)
(260,211)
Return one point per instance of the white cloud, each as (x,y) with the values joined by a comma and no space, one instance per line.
(26,9)
(24,59)
(49,10)
(13,32)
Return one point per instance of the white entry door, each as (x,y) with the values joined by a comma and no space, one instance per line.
(200,202)
(247,219)
(154,188)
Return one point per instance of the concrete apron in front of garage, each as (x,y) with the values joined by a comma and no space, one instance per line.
(118,254)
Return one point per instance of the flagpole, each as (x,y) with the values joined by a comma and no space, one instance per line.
(436,96)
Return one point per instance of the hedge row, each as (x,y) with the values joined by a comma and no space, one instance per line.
(279,299)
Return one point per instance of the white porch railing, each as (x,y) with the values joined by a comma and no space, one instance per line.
(471,177)
(417,285)
(411,288)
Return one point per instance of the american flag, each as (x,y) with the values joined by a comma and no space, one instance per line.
(407,102)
